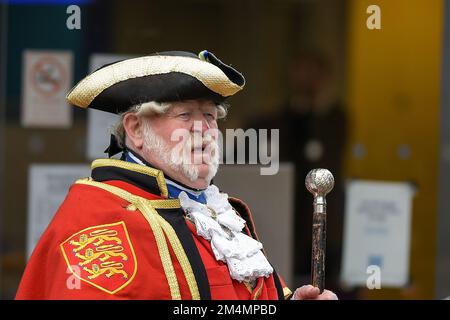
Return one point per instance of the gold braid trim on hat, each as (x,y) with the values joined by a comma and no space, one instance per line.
(91,86)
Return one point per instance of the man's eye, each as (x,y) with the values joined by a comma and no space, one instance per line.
(184,115)
(210,116)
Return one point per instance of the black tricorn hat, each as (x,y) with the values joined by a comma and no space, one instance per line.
(161,77)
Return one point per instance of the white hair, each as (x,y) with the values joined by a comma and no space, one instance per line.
(152,108)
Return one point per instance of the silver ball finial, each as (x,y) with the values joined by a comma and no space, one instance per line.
(319,182)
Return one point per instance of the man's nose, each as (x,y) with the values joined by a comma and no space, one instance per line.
(200,124)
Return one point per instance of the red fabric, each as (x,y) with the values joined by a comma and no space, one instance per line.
(87,207)
(222,286)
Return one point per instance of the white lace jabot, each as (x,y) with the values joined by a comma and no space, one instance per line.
(218,223)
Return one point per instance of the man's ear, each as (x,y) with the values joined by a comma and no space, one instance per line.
(134,130)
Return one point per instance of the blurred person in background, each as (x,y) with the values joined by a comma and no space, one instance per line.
(313,133)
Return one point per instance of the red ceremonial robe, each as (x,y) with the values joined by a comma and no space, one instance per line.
(118,236)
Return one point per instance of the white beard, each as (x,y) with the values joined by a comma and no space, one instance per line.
(179,157)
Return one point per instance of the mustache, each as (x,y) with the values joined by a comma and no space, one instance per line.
(204,148)
(207,145)
(195,142)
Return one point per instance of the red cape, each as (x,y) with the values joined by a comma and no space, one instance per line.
(101,245)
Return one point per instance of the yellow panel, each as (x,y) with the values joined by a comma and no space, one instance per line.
(393,96)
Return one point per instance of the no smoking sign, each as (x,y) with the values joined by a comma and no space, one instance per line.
(47,77)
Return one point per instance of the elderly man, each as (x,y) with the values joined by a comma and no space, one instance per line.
(151,225)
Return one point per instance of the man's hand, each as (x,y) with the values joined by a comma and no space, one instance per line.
(309,292)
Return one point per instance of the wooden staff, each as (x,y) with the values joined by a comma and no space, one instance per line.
(319,182)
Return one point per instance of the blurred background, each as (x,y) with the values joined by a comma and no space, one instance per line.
(359,87)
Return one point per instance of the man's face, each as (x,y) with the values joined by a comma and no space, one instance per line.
(184,141)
